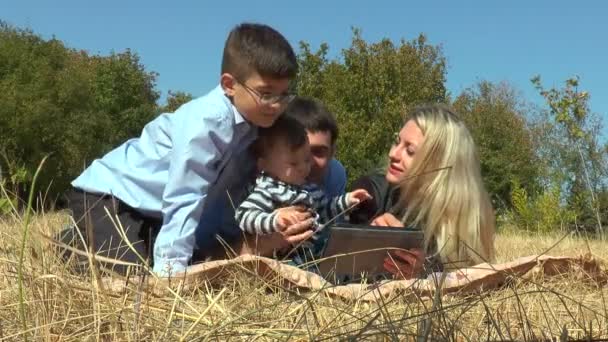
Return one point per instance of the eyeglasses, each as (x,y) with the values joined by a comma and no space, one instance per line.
(267,98)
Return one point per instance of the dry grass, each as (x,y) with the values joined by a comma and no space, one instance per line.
(61,306)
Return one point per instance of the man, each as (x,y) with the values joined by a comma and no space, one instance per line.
(322,131)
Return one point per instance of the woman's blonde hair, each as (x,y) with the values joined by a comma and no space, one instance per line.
(443,192)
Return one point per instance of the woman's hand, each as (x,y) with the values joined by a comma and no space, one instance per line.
(387,220)
(405,264)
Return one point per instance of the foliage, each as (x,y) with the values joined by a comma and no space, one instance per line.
(496,118)
(10,180)
(67,104)
(581,159)
(542,213)
(175,100)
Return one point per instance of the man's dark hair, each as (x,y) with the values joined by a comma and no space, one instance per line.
(258,48)
(286,130)
(313,115)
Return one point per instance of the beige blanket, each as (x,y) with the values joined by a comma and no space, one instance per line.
(477,278)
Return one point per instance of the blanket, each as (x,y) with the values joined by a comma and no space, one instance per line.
(482,277)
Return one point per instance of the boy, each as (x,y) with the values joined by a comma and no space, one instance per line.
(157,184)
(284,158)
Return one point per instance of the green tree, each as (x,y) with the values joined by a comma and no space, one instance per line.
(578,159)
(67,104)
(543,212)
(495,115)
(174,101)
(124,92)
(368,89)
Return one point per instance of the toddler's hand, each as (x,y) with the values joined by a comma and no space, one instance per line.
(358,196)
(289,216)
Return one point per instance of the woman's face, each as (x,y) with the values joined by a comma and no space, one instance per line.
(402,152)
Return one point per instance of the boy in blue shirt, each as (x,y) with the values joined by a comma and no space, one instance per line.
(157,184)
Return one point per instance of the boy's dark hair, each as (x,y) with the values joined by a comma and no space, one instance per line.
(313,116)
(258,48)
(286,130)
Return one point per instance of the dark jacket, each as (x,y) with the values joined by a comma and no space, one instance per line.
(384,199)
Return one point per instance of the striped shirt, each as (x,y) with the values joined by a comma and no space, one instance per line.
(258,215)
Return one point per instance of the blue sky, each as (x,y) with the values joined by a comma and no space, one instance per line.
(489,40)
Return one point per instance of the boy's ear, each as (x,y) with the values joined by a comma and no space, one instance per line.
(228,82)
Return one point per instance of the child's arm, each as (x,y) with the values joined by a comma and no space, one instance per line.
(200,144)
(256,214)
(338,205)
(377,186)
(256,221)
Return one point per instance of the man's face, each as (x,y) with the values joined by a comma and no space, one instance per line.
(322,152)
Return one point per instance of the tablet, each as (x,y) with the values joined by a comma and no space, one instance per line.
(356,252)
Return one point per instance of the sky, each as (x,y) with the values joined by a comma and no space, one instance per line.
(483,40)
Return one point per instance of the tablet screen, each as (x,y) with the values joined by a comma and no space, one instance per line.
(357,252)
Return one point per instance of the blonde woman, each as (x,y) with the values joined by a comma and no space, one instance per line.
(432,183)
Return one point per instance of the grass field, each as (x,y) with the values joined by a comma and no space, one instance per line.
(54,305)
